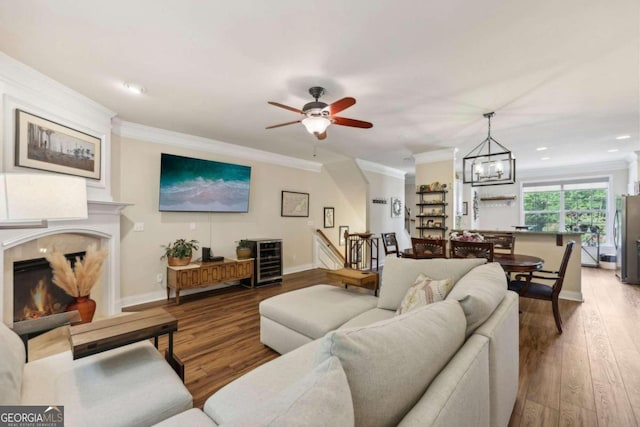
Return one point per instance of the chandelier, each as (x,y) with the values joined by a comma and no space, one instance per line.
(486,165)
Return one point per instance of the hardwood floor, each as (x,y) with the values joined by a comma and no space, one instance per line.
(587,376)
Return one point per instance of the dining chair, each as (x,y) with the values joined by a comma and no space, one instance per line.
(465,249)
(429,248)
(502,242)
(390,244)
(524,285)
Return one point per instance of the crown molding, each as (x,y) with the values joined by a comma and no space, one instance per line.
(33,82)
(183,140)
(575,169)
(435,156)
(368,166)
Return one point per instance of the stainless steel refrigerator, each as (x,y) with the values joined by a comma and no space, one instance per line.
(627,238)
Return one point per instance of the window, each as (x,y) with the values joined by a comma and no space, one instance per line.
(579,205)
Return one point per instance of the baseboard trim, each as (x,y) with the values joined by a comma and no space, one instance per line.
(571,296)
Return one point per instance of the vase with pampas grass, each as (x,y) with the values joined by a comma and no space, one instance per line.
(78,281)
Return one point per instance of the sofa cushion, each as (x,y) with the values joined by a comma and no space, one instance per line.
(269,379)
(399,274)
(389,364)
(194,417)
(12,357)
(133,384)
(316,310)
(423,292)
(479,292)
(321,398)
(369,317)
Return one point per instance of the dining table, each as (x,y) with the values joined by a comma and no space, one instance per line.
(518,263)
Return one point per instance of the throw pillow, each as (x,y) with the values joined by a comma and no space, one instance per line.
(424,291)
(321,398)
(389,364)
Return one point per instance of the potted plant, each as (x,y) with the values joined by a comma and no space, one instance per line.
(243,250)
(179,252)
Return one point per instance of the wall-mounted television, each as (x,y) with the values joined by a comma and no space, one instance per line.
(196,185)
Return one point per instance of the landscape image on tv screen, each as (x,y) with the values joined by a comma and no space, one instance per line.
(195,185)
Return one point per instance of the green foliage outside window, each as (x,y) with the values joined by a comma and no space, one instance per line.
(561,209)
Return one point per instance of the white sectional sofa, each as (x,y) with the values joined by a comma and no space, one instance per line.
(347,359)
(128,386)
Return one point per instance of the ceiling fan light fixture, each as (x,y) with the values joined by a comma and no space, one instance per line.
(484,166)
(316,125)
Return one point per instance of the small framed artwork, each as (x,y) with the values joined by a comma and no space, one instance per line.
(396,207)
(342,230)
(328,218)
(294,204)
(465,208)
(46,145)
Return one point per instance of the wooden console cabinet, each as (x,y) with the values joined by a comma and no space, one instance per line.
(208,273)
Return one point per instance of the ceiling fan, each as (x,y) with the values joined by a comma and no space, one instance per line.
(319,115)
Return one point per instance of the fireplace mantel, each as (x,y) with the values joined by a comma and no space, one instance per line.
(103,224)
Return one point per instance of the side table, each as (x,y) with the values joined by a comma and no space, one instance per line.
(105,334)
(349,276)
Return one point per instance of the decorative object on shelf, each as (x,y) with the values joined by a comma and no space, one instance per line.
(482,166)
(343,230)
(475,206)
(437,224)
(379,201)
(465,208)
(46,145)
(79,281)
(328,217)
(396,207)
(466,236)
(294,204)
(243,249)
(179,252)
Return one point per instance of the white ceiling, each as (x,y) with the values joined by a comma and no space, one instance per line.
(561,74)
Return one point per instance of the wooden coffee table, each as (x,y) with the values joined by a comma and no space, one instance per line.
(349,276)
(106,334)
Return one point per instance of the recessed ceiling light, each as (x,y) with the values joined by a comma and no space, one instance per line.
(541,148)
(613,150)
(545,158)
(623,137)
(135,88)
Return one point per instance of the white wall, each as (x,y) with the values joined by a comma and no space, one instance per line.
(385,183)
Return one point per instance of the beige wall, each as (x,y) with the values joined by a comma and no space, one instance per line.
(138,183)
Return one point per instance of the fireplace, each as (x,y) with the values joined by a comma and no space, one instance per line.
(34,293)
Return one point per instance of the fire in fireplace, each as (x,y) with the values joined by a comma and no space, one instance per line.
(34,294)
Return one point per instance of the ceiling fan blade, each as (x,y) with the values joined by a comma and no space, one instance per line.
(286,107)
(341,104)
(343,121)
(321,136)
(283,124)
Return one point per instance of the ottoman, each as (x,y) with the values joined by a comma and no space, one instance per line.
(292,319)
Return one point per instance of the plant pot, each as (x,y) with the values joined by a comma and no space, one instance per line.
(177,262)
(243,253)
(85,306)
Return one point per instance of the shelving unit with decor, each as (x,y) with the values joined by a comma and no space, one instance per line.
(431,207)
